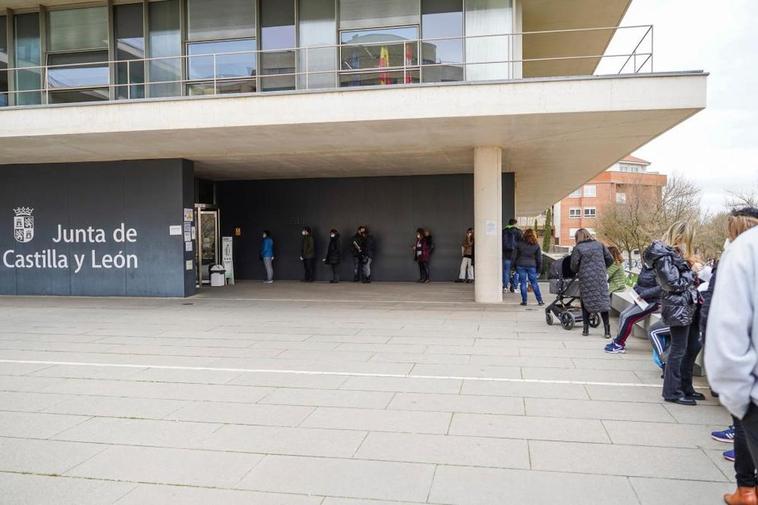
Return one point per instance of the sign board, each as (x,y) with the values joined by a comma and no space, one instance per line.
(227,258)
(490,227)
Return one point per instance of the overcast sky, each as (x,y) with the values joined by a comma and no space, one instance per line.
(718,147)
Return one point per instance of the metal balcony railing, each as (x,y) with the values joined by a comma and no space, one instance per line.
(477,58)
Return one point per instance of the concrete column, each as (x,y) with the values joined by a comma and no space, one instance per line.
(488,217)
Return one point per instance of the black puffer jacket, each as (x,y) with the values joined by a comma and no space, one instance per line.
(590,260)
(647,286)
(334,251)
(677,281)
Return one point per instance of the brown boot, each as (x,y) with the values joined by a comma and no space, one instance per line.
(743,496)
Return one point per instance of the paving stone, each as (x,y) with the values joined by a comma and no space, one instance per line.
(486,486)
(677,492)
(702,414)
(662,462)
(42,489)
(436,359)
(524,389)
(663,434)
(379,420)
(240,413)
(341,477)
(106,406)
(43,456)
(458,403)
(36,425)
(591,409)
(449,450)
(581,375)
(352,501)
(27,402)
(288,441)
(326,398)
(410,385)
(108,430)
(145,494)
(286,380)
(168,466)
(527,427)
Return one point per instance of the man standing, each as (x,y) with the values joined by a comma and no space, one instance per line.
(511,237)
(369,251)
(308,254)
(358,247)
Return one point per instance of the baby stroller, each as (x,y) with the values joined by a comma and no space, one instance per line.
(564,308)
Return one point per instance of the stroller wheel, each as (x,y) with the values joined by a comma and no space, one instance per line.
(549,318)
(594,321)
(568,320)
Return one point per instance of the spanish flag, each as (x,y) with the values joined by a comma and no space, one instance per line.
(384,62)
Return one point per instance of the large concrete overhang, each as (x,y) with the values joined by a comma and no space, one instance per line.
(555,133)
(547,15)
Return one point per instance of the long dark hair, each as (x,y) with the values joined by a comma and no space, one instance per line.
(268,234)
(617,257)
(530,237)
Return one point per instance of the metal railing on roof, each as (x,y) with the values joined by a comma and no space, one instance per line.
(473,58)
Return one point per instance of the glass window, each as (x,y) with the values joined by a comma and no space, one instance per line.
(28,55)
(220,19)
(130,45)
(442,59)
(620,197)
(365,53)
(166,45)
(317,27)
(590,190)
(575,213)
(3,62)
(77,29)
(78,70)
(487,21)
(590,212)
(576,194)
(277,32)
(235,73)
(378,13)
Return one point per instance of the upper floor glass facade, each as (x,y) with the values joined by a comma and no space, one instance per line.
(167,48)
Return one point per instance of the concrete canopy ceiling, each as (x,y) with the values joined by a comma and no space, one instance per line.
(555,134)
(546,15)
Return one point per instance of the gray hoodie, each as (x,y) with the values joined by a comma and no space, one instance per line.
(731,351)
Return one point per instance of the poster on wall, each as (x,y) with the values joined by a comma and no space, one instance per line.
(227,256)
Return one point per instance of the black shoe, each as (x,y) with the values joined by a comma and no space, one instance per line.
(356,279)
(540,303)
(585,331)
(512,289)
(695,396)
(469,281)
(607,332)
(458,280)
(714,394)
(333,281)
(523,304)
(682,400)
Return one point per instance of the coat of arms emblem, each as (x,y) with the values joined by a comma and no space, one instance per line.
(23,224)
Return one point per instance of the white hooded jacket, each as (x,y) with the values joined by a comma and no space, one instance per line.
(731,350)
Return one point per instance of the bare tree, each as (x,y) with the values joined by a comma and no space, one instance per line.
(739,199)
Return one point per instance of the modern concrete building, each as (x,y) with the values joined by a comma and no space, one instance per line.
(119,116)
(584,206)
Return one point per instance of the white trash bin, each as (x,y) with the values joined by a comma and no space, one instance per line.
(218,277)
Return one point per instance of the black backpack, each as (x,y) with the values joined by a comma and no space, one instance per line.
(511,237)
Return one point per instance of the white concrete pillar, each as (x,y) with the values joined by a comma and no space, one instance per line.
(488,220)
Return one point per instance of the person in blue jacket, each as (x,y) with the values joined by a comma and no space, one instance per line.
(267,256)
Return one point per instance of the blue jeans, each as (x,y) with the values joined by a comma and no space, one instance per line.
(530,273)
(509,279)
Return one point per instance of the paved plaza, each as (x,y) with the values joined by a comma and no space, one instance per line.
(295,394)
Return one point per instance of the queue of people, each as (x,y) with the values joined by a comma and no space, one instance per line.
(702,305)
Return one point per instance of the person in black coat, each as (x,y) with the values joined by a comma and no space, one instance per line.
(590,260)
(334,255)
(679,310)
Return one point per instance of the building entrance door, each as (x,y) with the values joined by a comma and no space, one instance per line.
(208,238)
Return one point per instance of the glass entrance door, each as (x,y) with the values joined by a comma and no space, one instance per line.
(208,243)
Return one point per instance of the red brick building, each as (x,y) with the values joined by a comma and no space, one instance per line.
(583,207)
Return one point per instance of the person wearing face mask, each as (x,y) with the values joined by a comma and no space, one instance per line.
(466,273)
(421,254)
(267,256)
(676,269)
(334,255)
(308,254)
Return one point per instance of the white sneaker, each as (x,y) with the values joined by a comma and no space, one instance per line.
(268,282)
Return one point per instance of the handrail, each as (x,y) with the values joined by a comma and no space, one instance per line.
(412,67)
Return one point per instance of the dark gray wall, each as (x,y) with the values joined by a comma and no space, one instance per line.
(392,207)
(147,195)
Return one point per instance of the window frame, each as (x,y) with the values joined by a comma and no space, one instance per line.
(575,213)
(589,212)
(588,194)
